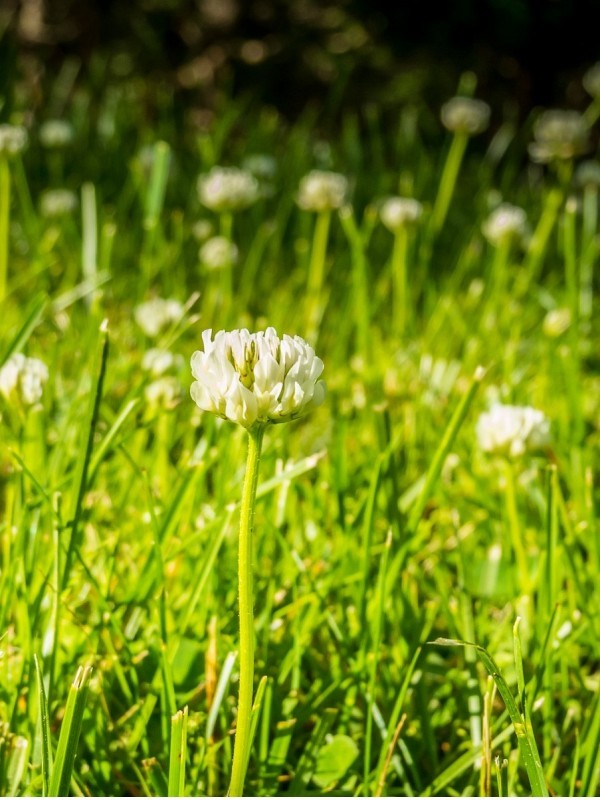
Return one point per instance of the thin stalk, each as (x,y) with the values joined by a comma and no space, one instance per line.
(316,271)
(399,258)
(588,254)
(246,610)
(4,224)
(448,180)
(514,527)
(539,241)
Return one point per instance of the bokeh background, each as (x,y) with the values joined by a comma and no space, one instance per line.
(294,53)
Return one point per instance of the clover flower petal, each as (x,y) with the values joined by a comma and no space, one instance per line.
(505,223)
(228,189)
(465,115)
(255,378)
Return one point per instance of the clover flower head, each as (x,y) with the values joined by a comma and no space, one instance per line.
(157,361)
(321,190)
(558,134)
(556,322)
(56,133)
(157,314)
(507,223)
(261,165)
(218,253)
(57,202)
(591,80)
(202,230)
(228,189)
(256,378)
(22,380)
(465,115)
(587,174)
(400,212)
(513,430)
(13,139)
(165,392)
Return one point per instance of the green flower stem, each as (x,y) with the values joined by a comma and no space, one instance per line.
(514,527)
(316,272)
(399,258)
(4,223)
(226,273)
(539,241)
(246,609)
(448,180)
(588,255)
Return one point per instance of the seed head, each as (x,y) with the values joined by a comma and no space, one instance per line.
(255,378)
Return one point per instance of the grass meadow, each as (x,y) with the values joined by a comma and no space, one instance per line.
(385,535)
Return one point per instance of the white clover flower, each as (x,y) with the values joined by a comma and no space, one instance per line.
(400,212)
(163,393)
(22,379)
(56,133)
(321,190)
(558,134)
(507,223)
(465,115)
(57,202)
(588,174)
(252,378)
(13,139)
(218,253)
(228,189)
(513,430)
(591,80)
(157,361)
(556,322)
(202,230)
(157,314)
(261,165)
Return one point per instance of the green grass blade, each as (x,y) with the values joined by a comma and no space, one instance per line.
(66,750)
(44,729)
(178,755)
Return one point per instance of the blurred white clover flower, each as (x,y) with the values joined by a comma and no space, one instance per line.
(22,379)
(157,361)
(228,189)
(218,253)
(56,133)
(513,430)
(400,212)
(591,80)
(588,174)
(261,165)
(507,223)
(202,230)
(157,314)
(57,202)
(165,392)
(255,378)
(558,134)
(321,190)
(13,139)
(556,322)
(465,115)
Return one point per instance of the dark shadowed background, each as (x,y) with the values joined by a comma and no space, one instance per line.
(292,52)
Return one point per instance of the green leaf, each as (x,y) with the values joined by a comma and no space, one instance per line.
(334,760)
